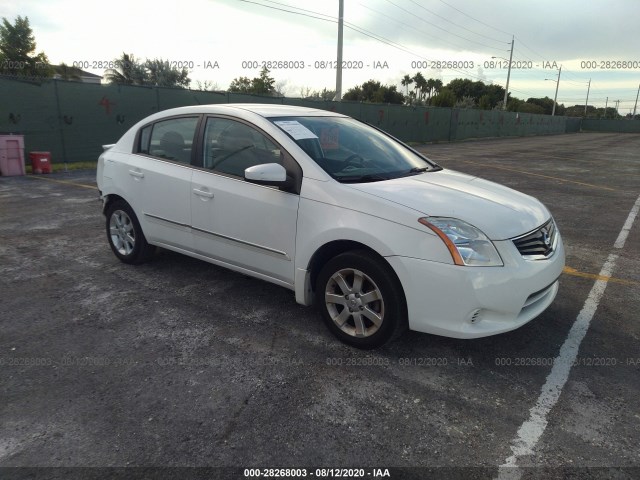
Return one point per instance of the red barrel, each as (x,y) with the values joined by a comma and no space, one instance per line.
(40,162)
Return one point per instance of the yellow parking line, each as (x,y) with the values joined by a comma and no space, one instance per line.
(66,182)
(591,276)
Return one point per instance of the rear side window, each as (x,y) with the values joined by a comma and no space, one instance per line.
(171,139)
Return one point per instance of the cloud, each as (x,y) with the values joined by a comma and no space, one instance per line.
(395,32)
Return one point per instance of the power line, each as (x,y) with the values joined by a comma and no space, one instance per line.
(453,23)
(351,26)
(387,17)
(525,55)
(382,40)
(291,11)
(574,82)
(578,79)
(438,27)
(475,19)
(529,48)
(331,19)
(568,72)
(396,45)
(299,8)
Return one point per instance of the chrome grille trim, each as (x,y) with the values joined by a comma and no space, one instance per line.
(538,244)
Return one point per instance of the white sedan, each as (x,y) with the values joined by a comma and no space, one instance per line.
(374,234)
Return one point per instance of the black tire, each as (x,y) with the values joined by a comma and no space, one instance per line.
(360,299)
(125,236)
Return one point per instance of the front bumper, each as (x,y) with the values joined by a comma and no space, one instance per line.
(472,302)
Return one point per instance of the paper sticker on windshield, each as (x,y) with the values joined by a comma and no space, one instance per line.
(329,138)
(296,129)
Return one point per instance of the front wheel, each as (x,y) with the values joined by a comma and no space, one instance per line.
(125,234)
(360,299)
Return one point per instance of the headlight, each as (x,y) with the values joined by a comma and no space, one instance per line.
(467,245)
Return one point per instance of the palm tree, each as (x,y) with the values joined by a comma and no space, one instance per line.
(437,86)
(127,71)
(430,86)
(406,81)
(421,84)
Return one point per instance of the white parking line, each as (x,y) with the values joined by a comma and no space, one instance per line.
(624,233)
(530,431)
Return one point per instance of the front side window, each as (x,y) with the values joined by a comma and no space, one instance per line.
(230,147)
(351,151)
(169,139)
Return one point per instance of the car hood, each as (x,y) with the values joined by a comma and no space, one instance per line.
(498,211)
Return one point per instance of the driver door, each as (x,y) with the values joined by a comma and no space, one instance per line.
(242,224)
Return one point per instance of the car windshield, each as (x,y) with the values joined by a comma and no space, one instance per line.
(351,151)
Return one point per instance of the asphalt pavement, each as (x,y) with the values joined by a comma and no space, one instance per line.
(178,363)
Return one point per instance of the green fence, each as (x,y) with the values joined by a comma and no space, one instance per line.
(72,119)
(602,125)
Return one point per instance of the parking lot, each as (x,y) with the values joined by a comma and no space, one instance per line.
(179,363)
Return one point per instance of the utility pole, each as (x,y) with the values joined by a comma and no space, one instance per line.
(553,112)
(605,107)
(587,102)
(506,90)
(338,96)
(617,103)
(636,105)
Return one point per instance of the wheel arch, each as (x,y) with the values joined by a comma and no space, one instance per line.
(110,199)
(334,248)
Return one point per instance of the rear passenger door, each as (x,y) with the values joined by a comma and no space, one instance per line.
(160,179)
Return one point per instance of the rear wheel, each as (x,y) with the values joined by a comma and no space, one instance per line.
(360,299)
(125,234)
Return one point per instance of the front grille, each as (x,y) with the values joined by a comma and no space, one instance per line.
(539,243)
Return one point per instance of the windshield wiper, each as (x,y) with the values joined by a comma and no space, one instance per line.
(369,177)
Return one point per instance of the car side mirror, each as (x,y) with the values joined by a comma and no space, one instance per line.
(267,174)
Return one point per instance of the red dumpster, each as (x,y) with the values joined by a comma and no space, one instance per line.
(40,162)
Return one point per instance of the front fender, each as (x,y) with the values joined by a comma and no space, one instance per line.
(321,223)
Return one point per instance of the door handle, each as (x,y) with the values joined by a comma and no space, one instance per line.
(202,193)
(136,173)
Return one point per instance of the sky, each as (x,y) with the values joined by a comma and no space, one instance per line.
(219,40)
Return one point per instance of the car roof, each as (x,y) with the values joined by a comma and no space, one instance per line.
(271,110)
(263,109)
